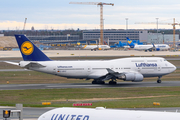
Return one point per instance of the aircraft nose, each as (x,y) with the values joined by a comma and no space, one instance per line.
(173,67)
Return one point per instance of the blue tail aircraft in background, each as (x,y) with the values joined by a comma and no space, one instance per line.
(146,48)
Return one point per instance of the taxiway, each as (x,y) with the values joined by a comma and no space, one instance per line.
(88,85)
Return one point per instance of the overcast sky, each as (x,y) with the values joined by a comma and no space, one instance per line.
(59,14)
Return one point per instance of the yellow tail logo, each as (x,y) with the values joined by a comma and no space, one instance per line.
(129,42)
(27,48)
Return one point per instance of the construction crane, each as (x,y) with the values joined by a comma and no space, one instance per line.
(174,28)
(101,14)
(24,25)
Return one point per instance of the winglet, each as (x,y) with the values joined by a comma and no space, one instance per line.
(29,51)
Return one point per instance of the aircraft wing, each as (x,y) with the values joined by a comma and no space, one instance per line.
(126,76)
(112,75)
(89,47)
(149,48)
(95,47)
(144,48)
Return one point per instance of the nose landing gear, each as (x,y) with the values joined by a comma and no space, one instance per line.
(159,79)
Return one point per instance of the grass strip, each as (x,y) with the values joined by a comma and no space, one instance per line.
(106,97)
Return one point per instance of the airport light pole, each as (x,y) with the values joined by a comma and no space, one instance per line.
(163,37)
(157,30)
(126,23)
(103,32)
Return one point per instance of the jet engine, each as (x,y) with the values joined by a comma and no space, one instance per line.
(157,49)
(100,48)
(134,77)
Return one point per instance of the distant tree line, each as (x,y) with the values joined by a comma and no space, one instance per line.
(42,32)
(72,32)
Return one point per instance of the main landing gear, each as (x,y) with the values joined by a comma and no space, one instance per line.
(159,79)
(112,82)
(98,82)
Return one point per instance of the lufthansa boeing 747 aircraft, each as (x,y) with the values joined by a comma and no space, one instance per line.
(127,69)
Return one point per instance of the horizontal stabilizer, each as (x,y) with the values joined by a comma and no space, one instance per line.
(13,63)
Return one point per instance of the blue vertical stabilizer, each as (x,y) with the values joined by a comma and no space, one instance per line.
(130,43)
(29,51)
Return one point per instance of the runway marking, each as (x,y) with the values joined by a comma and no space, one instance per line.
(75,86)
(106,99)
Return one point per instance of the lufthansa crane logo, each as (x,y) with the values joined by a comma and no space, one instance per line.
(27,48)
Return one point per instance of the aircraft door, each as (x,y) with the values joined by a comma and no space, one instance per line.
(112,67)
(89,69)
(159,65)
(54,70)
(159,68)
(139,69)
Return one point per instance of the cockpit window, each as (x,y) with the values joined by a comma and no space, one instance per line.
(165,60)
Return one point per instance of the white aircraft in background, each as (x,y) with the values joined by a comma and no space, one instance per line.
(127,69)
(101,113)
(156,47)
(96,47)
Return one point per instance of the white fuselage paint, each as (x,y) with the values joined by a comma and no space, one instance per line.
(106,114)
(157,46)
(91,47)
(147,66)
(162,46)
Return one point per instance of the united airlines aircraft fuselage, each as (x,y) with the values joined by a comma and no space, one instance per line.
(101,113)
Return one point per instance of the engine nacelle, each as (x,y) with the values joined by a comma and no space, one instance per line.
(134,77)
(100,48)
(157,49)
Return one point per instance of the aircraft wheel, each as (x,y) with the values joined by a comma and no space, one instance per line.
(98,82)
(112,83)
(94,82)
(158,81)
(102,82)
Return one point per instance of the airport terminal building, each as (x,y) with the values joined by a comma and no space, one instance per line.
(114,36)
(54,38)
(143,36)
(111,36)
